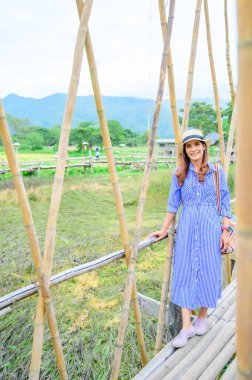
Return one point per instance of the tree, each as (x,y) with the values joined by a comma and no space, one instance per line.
(16,123)
(226,114)
(202,116)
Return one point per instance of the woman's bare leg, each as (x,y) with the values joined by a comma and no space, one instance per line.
(186,318)
(203,313)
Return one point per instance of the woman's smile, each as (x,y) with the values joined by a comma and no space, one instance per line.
(194,149)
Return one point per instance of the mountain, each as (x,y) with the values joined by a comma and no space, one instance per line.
(131,112)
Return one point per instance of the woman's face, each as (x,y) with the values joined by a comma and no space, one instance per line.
(194,150)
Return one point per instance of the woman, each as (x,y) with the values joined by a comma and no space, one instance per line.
(196,280)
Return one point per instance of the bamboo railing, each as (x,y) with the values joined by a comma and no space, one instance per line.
(115,184)
(29,290)
(140,210)
(244,194)
(58,186)
(34,245)
(191,66)
(229,69)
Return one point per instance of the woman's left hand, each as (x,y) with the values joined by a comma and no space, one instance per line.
(225,241)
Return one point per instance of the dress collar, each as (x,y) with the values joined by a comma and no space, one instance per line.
(211,166)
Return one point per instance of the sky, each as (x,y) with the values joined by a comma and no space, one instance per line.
(37,40)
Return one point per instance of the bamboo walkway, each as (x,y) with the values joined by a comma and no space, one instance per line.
(204,356)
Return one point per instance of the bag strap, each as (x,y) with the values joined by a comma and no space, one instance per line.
(216,176)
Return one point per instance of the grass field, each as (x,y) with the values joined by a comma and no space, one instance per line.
(87,307)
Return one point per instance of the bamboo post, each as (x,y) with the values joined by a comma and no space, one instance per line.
(167,267)
(144,187)
(244,195)
(218,113)
(191,66)
(58,186)
(229,69)
(34,245)
(215,88)
(165,289)
(114,182)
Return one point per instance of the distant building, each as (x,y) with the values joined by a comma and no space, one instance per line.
(165,147)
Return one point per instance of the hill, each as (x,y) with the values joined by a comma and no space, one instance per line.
(131,112)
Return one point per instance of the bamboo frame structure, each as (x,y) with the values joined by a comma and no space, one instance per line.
(58,186)
(33,241)
(115,183)
(214,81)
(191,66)
(244,195)
(228,61)
(140,210)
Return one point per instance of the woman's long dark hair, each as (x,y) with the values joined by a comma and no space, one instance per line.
(185,162)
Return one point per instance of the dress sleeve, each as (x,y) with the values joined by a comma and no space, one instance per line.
(224,195)
(174,199)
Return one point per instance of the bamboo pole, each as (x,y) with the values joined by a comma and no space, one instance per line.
(144,187)
(191,66)
(115,184)
(228,61)
(215,367)
(230,373)
(215,88)
(58,186)
(231,134)
(176,129)
(32,236)
(165,290)
(218,114)
(171,82)
(244,195)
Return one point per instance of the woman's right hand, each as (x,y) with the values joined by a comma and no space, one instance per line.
(159,234)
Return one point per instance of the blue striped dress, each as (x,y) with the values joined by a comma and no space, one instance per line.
(196,278)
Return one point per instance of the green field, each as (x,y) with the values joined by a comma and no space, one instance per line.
(87,307)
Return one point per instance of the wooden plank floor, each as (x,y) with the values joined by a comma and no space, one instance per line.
(204,356)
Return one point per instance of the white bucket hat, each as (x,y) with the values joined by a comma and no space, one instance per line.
(193,134)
